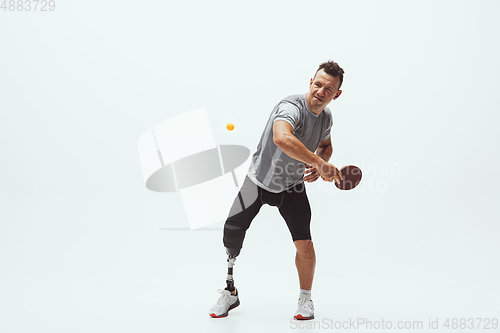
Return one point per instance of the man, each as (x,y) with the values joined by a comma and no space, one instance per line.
(298,126)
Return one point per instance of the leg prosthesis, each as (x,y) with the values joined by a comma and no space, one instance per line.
(232,254)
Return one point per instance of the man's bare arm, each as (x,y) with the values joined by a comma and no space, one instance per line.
(290,145)
(325,149)
(286,141)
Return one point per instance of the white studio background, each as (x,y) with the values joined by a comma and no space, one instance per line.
(85,247)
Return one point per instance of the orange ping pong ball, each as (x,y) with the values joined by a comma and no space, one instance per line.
(230,126)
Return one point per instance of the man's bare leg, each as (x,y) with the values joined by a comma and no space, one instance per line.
(305,260)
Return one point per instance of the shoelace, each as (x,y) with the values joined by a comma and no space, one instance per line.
(223,296)
(304,301)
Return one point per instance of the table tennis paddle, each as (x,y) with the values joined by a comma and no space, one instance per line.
(351,176)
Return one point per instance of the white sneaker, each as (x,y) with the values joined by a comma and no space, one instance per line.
(305,311)
(226,302)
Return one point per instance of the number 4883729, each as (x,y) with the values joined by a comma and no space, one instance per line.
(28,5)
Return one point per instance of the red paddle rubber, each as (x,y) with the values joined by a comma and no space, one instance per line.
(351,176)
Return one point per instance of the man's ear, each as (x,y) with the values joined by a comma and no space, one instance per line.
(337,94)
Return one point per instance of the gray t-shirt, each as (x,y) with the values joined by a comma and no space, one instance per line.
(270,167)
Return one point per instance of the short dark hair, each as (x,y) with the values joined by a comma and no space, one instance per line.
(332,68)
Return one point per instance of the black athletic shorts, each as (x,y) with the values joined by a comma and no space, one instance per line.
(293,205)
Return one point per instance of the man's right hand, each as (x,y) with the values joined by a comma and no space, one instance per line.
(329,172)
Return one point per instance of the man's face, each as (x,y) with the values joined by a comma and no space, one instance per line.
(323,89)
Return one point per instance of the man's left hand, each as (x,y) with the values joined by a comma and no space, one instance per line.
(311,174)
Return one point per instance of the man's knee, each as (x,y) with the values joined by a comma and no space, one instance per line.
(305,247)
(233,236)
